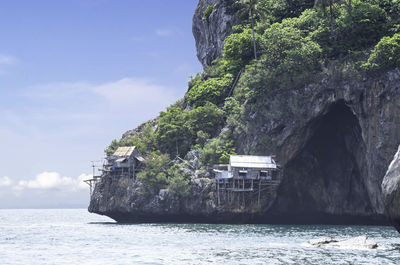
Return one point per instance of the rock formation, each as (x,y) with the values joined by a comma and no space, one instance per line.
(334,140)
(360,242)
(391,191)
(211,30)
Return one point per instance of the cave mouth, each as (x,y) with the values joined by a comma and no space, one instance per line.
(326,176)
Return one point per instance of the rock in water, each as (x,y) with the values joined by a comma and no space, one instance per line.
(391,191)
(321,241)
(360,242)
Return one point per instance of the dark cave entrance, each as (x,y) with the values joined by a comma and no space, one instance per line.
(326,176)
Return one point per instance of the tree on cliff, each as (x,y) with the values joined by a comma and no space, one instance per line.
(251,8)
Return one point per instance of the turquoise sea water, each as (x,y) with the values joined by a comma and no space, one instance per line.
(78,237)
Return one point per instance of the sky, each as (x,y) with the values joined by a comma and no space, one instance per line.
(73,76)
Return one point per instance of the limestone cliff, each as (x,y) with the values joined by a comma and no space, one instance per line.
(210,30)
(334,139)
(391,190)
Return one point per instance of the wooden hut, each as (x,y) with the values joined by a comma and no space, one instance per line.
(246,174)
(123,162)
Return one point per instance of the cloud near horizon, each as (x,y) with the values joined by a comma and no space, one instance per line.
(70,121)
(53,180)
(5,181)
(126,92)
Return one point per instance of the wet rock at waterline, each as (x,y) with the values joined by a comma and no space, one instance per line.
(360,242)
(391,191)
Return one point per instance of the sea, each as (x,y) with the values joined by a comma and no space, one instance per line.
(74,236)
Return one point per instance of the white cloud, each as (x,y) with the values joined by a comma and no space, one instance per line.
(57,90)
(53,180)
(134,93)
(8,60)
(163,32)
(82,185)
(5,181)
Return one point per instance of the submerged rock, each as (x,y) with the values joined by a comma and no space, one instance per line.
(360,242)
(391,191)
(321,241)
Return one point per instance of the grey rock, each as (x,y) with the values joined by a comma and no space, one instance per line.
(210,35)
(138,130)
(360,242)
(321,241)
(334,140)
(193,158)
(391,190)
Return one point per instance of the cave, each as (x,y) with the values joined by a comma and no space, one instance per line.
(325,180)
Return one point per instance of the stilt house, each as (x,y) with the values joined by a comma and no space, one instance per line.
(124,162)
(246,174)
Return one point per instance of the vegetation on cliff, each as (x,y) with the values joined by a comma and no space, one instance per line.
(297,43)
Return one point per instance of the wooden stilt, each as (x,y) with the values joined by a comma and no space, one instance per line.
(244,201)
(218,192)
(259,192)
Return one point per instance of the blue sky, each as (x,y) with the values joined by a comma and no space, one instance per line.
(74,75)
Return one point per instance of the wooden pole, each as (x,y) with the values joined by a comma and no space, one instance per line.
(244,201)
(218,191)
(259,192)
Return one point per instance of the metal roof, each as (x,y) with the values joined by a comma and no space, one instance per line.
(124,151)
(121,160)
(247,161)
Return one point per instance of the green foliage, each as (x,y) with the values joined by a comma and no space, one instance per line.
(202,138)
(154,176)
(392,9)
(273,10)
(207,13)
(277,10)
(173,132)
(363,27)
(206,118)
(290,58)
(179,128)
(145,142)
(158,174)
(238,49)
(112,147)
(295,44)
(211,90)
(233,111)
(217,151)
(178,181)
(385,55)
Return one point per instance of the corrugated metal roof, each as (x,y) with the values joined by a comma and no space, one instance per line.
(124,151)
(121,160)
(246,161)
(139,158)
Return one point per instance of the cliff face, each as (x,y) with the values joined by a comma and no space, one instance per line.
(210,30)
(391,191)
(334,140)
